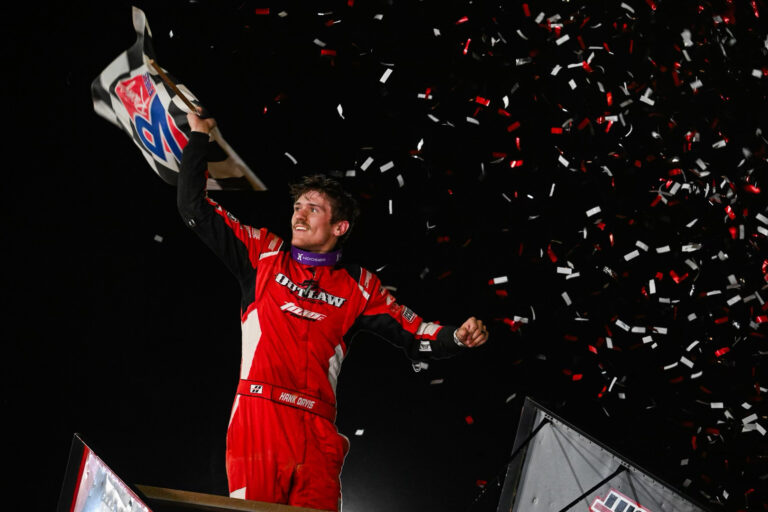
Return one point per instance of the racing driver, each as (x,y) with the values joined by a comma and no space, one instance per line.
(300,309)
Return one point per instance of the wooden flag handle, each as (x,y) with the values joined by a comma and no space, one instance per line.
(172,85)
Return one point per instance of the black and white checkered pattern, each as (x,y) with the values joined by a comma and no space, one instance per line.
(133,96)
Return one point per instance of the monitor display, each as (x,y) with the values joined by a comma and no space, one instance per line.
(91,486)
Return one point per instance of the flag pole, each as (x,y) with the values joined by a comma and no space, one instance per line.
(172,85)
(252,179)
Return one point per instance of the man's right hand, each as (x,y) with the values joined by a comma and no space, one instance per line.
(198,124)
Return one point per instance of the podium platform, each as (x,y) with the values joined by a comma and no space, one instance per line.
(90,484)
(174,500)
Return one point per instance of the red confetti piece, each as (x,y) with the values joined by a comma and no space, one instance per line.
(466,45)
(481,483)
(577,377)
(514,126)
(261,11)
(752,189)
(651,4)
(729,212)
(676,278)
(551,253)
(754,8)
(721,320)
(461,20)
(526,11)
(734,232)
(592,349)
(722,351)
(469,420)
(483,101)
(503,112)
(327,52)
(515,163)
(583,124)
(556,130)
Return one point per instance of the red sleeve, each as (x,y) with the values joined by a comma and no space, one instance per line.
(400,325)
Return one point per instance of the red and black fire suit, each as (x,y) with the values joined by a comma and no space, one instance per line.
(298,320)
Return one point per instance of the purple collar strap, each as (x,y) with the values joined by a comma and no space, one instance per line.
(315,258)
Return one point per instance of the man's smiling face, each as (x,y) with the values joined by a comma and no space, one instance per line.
(311,226)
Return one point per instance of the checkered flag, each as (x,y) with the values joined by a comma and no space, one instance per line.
(139,97)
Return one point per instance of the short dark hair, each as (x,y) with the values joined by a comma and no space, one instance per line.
(343,205)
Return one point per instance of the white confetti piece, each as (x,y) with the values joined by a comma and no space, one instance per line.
(291,158)
(359,432)
(716,405)
(368,162)
(385,76)
(340,110)
(387,166)
(556,70)
(687,362)
(319,43)
(627,7)
(435,382)
(593,211)
(158,238)
(562,160)
(632,255)
(562,39)
(400,180)
(566,298)
(749,419)
(500,280)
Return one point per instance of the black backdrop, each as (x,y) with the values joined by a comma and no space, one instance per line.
(121,326)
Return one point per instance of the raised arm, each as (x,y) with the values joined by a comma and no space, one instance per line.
(236,244)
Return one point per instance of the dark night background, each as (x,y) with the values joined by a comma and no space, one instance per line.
(120,325)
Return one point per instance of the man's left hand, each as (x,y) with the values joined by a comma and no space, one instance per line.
(472,333)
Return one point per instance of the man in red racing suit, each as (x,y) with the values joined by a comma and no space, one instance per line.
(300,310)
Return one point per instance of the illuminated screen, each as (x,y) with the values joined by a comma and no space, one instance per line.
(91,486)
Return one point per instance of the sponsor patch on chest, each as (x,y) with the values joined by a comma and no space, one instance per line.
(293,309)
(309,290)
